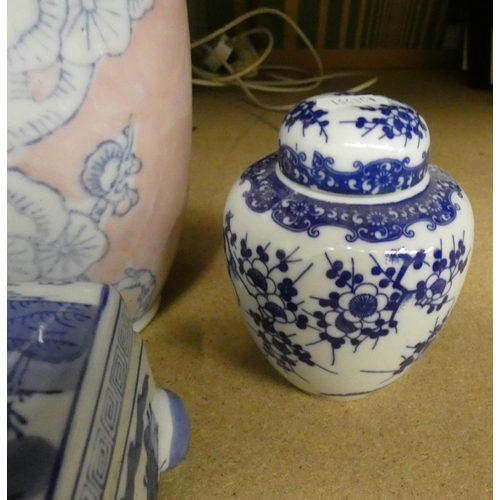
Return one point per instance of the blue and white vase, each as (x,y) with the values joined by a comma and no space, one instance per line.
(98,143)
(347,248)
(85,418)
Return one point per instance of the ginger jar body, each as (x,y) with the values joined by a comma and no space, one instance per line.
(98,143)
(347,249)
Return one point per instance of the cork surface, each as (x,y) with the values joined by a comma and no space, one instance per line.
(255,436)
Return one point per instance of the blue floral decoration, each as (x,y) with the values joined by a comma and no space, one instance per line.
(377,177)
(263,275)
(417,351)
(108,174)
(65,244)
(376,222)
(392,121)
(364,307)
(307,113)
(71,36)
(141,280)
(357,308)
(151,444)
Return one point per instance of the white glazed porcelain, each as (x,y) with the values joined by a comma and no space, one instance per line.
(347,249)
(98,143)
(84,418)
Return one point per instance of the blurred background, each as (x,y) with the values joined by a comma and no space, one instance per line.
(365,34)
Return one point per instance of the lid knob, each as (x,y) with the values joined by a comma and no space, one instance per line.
(354,144)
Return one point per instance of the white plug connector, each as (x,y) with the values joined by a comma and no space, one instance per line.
(218,54)
(240,49)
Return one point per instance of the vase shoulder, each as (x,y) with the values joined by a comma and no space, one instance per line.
(385,217)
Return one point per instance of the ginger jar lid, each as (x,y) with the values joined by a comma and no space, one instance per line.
(359,144)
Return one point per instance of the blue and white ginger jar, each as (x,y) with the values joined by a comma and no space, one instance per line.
(347,248)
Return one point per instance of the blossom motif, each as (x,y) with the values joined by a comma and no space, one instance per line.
(287,290)
(417,349)
(77,249)
(308,114)
(95,28)
(20,260)
(66,38)
(384,178)
(433,206)
(280,347)
(47,241)
(369,308)
(299,210)
(256,274)
(360,313)
(436,286)
(266,193)
(275,298)
(365,304)
(274,308)
(433,292)
(108,175)
(393,120)
(377,218)
(418,259)
(358,308)
(142,280)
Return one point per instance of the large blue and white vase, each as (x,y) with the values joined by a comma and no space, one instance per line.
(347,248)
(98,143)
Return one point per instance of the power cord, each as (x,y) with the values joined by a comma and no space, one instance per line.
(248,64)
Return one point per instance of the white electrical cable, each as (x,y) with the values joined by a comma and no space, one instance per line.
(276,83)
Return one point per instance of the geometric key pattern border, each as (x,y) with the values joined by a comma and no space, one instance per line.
(109,407)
